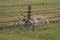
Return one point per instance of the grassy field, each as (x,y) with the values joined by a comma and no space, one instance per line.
(52,33)
(13,2)
(40,33)
(7,16)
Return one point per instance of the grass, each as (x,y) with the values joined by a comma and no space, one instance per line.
(9,2)
(28,1)
(52,33)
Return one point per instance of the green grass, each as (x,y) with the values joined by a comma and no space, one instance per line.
(8,2)
(52,33)
(28,1)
